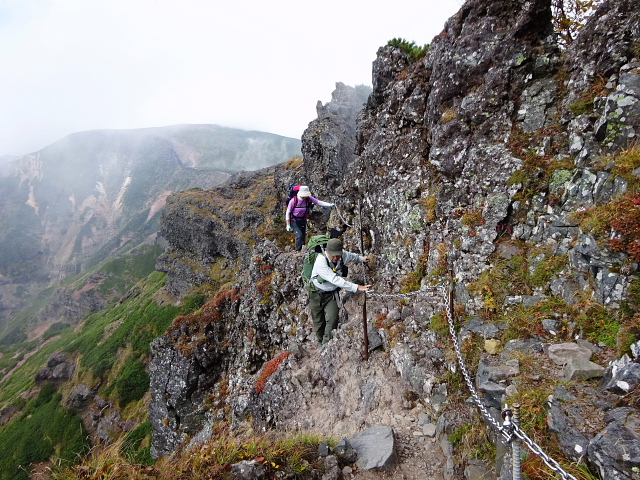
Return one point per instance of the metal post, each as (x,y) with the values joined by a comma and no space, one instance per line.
(364,300)
(516,455)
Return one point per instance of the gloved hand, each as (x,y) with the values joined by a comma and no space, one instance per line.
(289,229)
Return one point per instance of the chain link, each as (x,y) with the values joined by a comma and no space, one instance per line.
(405,295)
(341,217)
(535,448)
(506,434)
(509,429)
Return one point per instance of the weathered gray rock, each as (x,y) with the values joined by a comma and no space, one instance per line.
(376,448)
(80,396)
(563,394)
(491,377)
(331,468)
(622,375)
(174,411)
(328,143)
(247,470)
(323,448)
(375,340)
(345,452)
(615,452)
(479,470)
(407,365)
(578,368)
(528,346)
(572,442)
(562,353)
(59,368)
(552,326)
(429,430)
(526,300)
(488,330)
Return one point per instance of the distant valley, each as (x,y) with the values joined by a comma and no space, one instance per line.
(71,205)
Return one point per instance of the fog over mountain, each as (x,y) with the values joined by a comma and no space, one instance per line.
(96,193)
(7,158)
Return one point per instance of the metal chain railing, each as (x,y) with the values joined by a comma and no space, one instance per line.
(335,207)
(508,430)
(505,432)
(403,295)
(535,448)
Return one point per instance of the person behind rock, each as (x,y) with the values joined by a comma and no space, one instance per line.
(326,280)
(298,212)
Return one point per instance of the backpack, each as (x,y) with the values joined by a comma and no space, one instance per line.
(293,193)
(316,245)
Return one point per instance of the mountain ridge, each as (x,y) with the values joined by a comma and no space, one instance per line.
(96,193)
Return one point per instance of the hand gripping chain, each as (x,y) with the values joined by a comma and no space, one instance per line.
(509,429)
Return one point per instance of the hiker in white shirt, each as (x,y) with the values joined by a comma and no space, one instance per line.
(326,280)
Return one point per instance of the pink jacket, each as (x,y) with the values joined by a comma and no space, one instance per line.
(300,210)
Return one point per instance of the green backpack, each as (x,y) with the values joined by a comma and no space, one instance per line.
(315,246)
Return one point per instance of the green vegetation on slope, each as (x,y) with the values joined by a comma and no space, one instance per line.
(44,430)
(114,346)
(133,323)
(119,274)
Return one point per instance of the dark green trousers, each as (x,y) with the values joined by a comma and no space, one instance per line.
(324,311)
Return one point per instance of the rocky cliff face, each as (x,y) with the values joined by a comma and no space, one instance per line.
(498,158)
(328,144)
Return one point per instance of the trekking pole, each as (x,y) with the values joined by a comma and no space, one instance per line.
(364,299)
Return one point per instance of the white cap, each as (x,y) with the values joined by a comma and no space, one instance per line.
(304,191)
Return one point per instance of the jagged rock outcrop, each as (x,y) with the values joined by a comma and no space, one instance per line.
(475,160)
(328,143)
(59,368)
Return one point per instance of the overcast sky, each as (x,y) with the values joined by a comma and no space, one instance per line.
(75,65)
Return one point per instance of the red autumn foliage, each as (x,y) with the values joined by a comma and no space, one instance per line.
(627,223)
(269,369)
(210,312)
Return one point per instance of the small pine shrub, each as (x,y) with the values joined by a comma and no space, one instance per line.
(624,164)
(414,51)
(430,203)
(55,329)
(547,269)
(473,218)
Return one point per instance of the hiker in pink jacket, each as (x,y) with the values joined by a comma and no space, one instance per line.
(298,211)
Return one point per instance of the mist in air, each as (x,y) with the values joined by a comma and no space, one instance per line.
(77,66)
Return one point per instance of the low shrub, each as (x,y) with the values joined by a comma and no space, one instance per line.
(414,51)
(45,430)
